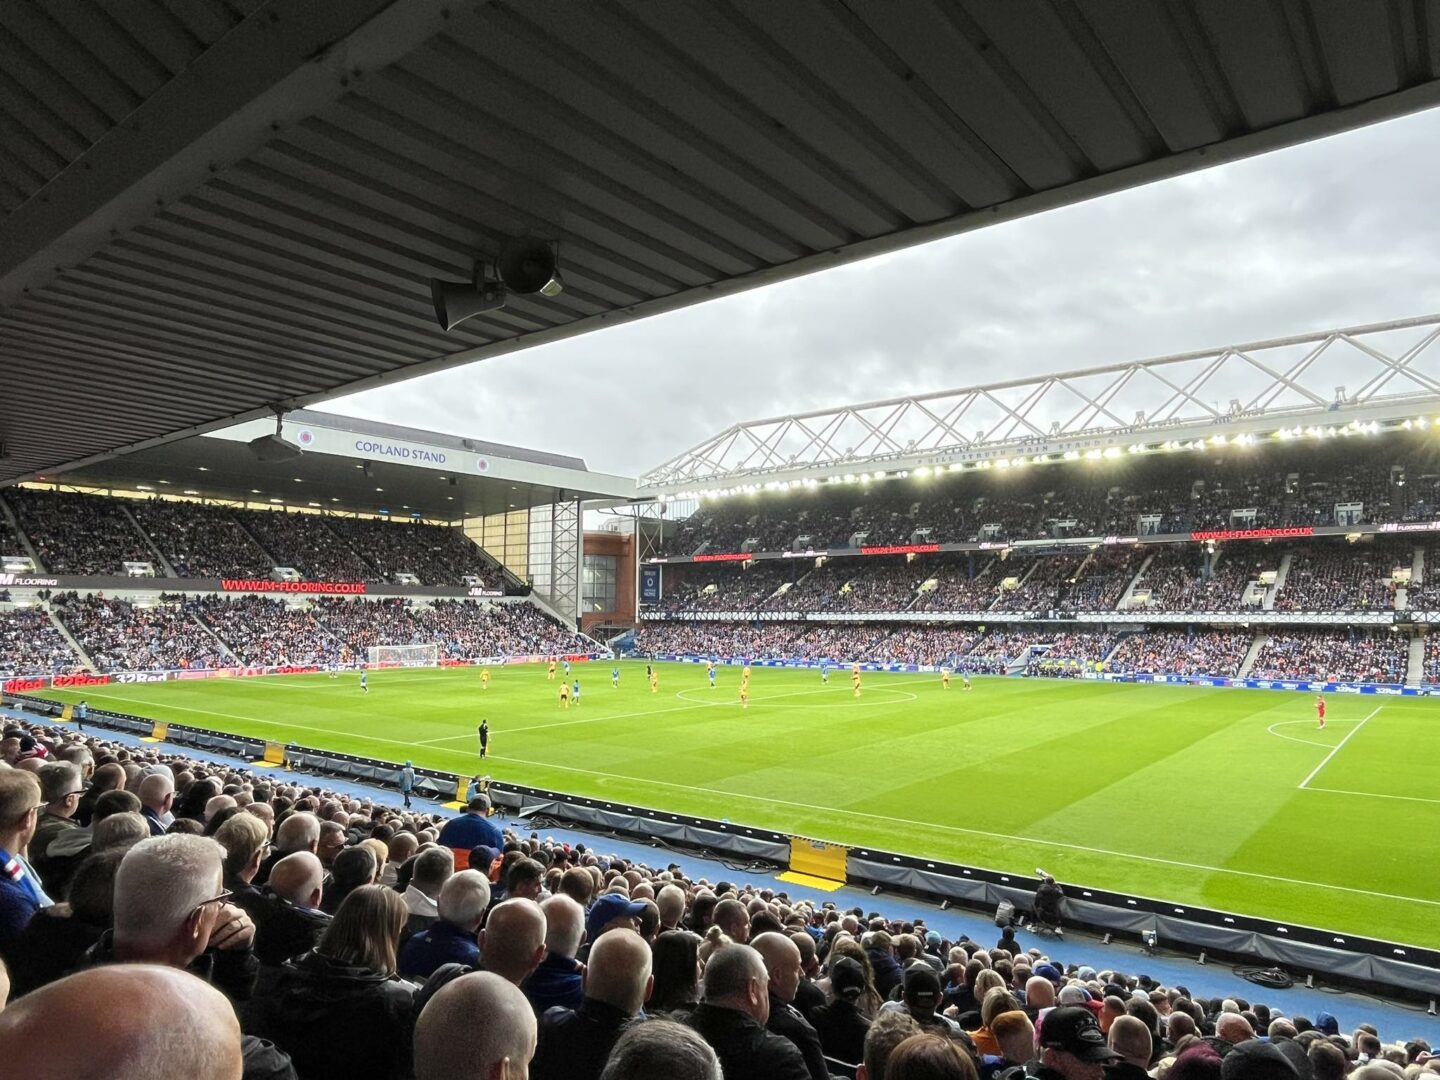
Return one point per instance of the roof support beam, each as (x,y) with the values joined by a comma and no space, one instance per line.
(284,63)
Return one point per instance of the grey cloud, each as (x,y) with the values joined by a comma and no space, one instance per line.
(1325,234)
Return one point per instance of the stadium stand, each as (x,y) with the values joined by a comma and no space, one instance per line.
(30,645)
(434,554)
(1287,486)
(78,534)
(118,635)
(1333,578)
(201,541)
(303,542)
(1178,652)
(1328,654)
(86,534)
(267,632)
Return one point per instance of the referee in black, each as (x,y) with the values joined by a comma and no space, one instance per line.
(484,737)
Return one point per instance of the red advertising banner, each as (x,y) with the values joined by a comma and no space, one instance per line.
(1254,534)
(25,685)
(900,549)
(60,682)
(321,588)
(730,556)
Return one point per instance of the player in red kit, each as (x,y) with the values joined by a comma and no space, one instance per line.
(1320,710)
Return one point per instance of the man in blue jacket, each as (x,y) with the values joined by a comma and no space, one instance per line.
(472,828)
(21,894)
(451,940)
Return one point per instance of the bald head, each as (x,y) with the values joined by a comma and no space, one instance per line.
(1131,1039)
(1232,1027)
(564,925)
(216,803)
(128,1022)
(619,971)
(450,1045)
(782,961)
(671,902)
(298,878)
(735,978)
(298,832)
(157,792)
(1039,992)
(513,941)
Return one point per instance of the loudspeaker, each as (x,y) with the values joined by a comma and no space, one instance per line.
(527,265)
(456,301)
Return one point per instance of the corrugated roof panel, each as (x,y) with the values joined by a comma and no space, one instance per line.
(264,232)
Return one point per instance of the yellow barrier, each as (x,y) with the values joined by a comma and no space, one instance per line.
(160,731)
(816,858)
(67,713)
(274,753)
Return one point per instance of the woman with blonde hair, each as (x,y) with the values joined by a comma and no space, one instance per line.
(997,1000)
(340,1011)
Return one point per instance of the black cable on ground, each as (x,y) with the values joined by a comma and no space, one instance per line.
(1271,978)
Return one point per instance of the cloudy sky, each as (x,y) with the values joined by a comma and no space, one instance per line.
(1331,233)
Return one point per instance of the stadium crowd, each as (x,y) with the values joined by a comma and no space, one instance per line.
(30,645)
(118,635)
(1349,578)
(265,632)
(75,533)
(201,541)
(176,917)
(1327,654)
(1297,484)
(1177,652)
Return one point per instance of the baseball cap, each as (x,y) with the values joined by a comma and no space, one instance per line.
(847,978)
(1073,1029)
(1256,1060)
(609,907)
(1326,1023)
(922,987)
(1049,971)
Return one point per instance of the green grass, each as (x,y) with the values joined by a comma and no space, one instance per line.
(1186,794)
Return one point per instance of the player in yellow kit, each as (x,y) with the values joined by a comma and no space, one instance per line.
(550,675)
(945,677)
(855,679)
(744,695)
(745,671)
(654,682)
(564,694)
(484,678)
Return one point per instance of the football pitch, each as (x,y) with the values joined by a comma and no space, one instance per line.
(1229,799)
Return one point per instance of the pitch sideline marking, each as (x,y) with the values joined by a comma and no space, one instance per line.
(854,813)
(1338,747)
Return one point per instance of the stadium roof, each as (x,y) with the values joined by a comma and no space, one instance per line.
(212,206)
(357,466)
(1314,384)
